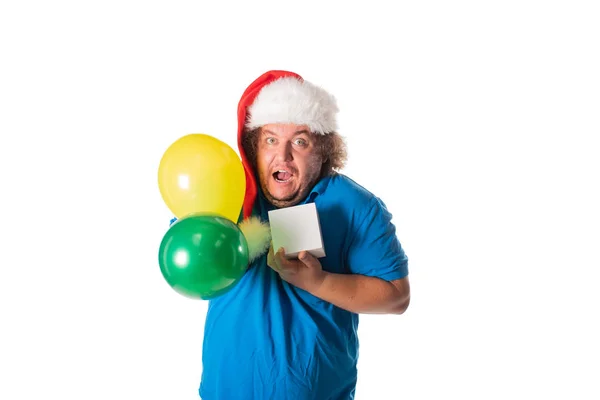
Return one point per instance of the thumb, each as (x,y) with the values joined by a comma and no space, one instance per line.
(307,258)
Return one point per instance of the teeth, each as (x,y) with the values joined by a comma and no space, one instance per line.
(284,171)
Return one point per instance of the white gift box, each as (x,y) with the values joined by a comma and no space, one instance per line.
(297,228)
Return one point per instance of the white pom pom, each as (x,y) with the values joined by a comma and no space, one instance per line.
(258,236)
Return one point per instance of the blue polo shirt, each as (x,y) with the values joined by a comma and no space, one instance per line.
(268,340)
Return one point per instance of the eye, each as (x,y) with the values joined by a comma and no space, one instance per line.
(301,142)
(270,140)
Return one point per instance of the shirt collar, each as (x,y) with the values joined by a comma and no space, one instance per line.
(318,189)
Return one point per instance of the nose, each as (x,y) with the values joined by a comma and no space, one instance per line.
(284,152)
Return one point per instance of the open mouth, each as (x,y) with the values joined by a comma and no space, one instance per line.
(282,176)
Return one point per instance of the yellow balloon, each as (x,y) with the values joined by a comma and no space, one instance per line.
(199,173)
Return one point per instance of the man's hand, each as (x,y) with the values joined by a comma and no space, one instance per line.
(306,272)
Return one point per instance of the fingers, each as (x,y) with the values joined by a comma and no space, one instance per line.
(277,261)
(280,259)
(281,253)
(282,262)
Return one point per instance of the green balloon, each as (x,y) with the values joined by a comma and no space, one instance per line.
(203,256)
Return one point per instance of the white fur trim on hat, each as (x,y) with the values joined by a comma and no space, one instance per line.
(291,100)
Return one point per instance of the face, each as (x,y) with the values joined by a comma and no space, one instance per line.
(288,162)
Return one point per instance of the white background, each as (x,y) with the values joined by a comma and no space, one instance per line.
(476,122)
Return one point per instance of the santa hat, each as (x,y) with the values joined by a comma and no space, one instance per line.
(281,97)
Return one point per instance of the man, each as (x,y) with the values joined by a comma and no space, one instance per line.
(288,328)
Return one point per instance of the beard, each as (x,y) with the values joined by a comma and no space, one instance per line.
(286,201)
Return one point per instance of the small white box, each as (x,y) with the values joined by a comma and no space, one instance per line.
(297,228)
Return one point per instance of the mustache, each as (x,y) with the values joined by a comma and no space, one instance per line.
(287,168)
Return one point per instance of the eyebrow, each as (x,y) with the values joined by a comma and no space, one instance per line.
(295,133)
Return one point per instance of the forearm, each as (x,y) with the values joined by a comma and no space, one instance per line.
(363,294)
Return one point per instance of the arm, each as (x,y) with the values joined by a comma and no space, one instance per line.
(352,292)
(364,294)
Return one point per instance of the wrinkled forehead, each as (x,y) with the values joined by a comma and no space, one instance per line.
(283,130)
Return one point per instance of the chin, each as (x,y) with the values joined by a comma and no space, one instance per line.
(284,197)
(281,198)
(281,194)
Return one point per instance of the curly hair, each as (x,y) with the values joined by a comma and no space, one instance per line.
(332,147)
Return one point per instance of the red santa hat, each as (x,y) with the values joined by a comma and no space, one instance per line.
(281,97)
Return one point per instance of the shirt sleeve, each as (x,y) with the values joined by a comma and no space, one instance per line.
(374,248)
